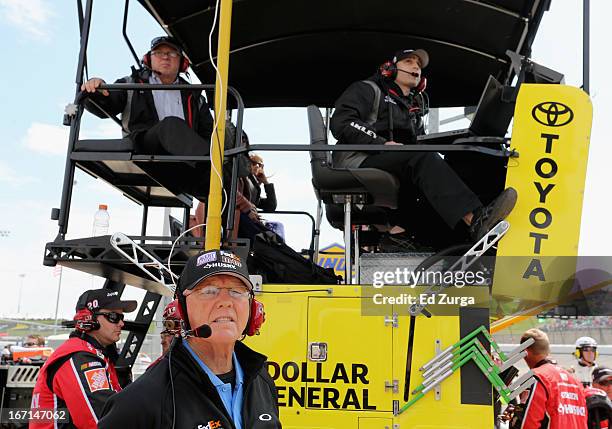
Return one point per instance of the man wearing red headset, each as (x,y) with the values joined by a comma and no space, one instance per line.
(80,375)
(396,119)
(208,378)
(158,122)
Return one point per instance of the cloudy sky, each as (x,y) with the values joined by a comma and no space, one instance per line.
(37,80)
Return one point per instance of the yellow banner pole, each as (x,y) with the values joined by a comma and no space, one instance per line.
(215,196)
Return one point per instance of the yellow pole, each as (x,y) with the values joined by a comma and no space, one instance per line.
(215,197)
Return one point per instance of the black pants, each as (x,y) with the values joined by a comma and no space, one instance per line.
(433,177)
(172,136)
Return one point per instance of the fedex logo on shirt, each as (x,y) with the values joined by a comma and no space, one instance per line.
(213,424)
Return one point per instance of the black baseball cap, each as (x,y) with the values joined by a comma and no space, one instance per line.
(405,53)
(211,263)
(165,40)
(602,373)
(96,299)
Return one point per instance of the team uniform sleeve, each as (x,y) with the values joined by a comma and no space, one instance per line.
(351,111)
(84,384)
(535,410)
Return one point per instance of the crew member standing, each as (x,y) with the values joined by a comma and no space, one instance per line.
(585,354)
(556,400)
(80,375)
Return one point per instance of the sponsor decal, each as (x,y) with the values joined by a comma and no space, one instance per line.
(345,385)
(389,100)
(332,256)
(94,364)
(97,380)
(116,293)
(206,257)
(363,129)
(552,114)
(575,410)
(232,261)
(213,424)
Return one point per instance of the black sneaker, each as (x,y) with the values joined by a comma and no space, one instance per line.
(487,217)
(397,243)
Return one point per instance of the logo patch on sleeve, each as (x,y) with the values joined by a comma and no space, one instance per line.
(93,364)
(97,379)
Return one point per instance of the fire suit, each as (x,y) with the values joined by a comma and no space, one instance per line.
(556,400)
(79,376)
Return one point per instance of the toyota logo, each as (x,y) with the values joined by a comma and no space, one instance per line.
(552,114)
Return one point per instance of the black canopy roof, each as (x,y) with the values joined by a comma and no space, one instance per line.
(300,52)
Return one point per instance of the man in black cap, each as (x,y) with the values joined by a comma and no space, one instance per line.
(397,119)
(80,375)
(602,379)
(158,122)
(208,378)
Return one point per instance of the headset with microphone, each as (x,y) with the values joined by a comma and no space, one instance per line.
(389,70)
(256,318)
(85,321)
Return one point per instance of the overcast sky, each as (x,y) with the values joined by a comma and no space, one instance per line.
(37,77)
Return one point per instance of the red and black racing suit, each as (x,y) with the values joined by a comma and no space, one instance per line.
(556,400)
(79,376)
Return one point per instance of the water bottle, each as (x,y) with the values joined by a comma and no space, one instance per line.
(101,221)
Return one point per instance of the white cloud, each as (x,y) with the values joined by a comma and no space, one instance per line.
(29,16)
(46,139)
(10,176)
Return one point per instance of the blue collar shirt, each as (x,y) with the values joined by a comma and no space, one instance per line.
(231,399)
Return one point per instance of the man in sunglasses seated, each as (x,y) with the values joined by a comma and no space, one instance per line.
(208,378)
(80,375)
(158,122)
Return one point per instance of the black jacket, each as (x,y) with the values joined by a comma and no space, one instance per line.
(349,124)
(148,402)
(252,191)
(138,112)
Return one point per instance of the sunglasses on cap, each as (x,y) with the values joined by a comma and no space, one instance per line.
(111,316)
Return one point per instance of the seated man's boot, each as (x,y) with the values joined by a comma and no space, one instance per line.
(487,217)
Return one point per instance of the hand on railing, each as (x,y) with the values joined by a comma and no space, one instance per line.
(92,86)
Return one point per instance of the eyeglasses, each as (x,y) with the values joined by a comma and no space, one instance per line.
(258,164)
(171,325)
(211,292)
(167,54)
(111,316)
(588,349)
(30,344)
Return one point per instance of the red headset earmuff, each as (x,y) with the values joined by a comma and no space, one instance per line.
(85,322)
(257,317)
(388,70)
(146,61)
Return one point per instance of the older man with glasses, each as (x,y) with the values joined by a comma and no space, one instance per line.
(80,375)
(208,378)
(162,121)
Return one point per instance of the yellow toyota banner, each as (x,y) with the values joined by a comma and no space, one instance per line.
(536,260)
